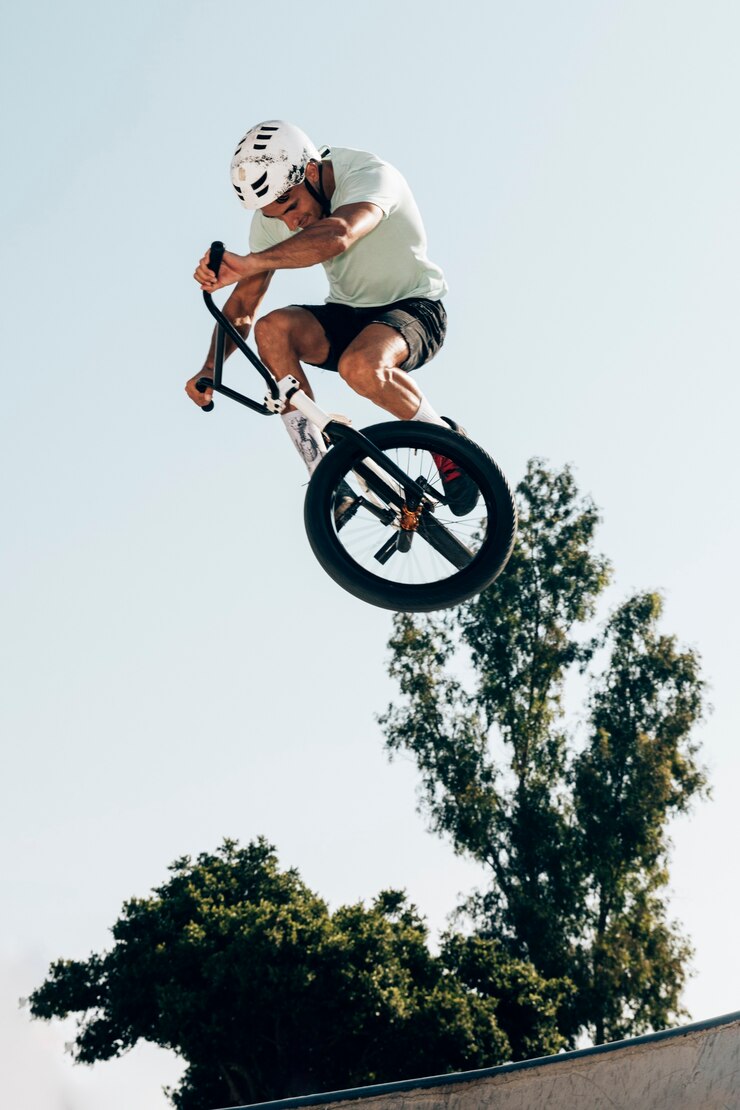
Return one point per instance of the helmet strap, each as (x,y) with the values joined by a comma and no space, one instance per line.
(319,194)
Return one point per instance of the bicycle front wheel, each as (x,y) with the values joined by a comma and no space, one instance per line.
(395,551)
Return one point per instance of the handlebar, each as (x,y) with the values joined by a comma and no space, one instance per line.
(224,328)
(215,258)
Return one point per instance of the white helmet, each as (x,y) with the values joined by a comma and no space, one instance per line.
(270,159)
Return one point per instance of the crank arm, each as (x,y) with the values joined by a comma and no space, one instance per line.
(444,542)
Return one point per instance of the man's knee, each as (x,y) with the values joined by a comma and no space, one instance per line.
(288,334)
(273,331)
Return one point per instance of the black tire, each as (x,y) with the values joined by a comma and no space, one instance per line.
(444,559)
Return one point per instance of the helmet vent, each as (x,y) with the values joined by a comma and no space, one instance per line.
(258,185)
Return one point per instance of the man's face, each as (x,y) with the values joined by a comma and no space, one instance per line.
(297,209)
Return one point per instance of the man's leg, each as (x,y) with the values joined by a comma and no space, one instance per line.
(371,365)
(285,338)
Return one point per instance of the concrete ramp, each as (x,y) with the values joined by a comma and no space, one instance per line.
(695,1067)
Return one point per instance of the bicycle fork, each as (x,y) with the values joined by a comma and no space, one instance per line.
(406,491)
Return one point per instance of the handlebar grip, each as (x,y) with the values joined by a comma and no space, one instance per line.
(202,385)
(216,256)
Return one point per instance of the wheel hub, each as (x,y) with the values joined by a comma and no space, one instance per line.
(409,518)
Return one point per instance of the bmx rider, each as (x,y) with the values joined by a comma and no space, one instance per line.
(384,317)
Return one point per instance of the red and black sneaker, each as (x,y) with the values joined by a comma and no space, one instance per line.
(460,490)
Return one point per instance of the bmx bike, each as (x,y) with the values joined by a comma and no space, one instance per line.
(400,546)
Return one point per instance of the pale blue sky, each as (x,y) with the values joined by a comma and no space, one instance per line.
(175,667)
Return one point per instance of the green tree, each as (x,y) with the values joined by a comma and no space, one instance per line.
(571,831)
(244,972)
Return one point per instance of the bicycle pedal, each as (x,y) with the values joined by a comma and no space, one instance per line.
(345,514)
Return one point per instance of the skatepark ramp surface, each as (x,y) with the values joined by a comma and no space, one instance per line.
(694,1067)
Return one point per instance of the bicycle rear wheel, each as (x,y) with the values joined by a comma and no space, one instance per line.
(393,551)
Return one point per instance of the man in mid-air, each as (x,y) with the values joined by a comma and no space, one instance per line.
(384,315)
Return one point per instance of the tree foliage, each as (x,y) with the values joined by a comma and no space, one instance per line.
(572,832)
(244,972)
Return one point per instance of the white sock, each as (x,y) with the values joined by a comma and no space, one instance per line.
(426,413)
(307,438)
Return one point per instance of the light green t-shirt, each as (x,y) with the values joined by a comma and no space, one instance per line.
(388,264)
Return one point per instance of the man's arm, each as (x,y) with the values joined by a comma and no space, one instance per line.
(317,243)
(240,309)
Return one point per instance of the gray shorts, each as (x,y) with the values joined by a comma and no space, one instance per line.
(421,322)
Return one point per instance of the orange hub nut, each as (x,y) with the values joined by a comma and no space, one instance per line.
(409,519)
